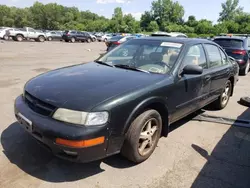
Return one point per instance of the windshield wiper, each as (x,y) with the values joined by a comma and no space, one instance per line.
(130,68)
(103,63)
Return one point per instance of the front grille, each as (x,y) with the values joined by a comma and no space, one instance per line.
(38,106)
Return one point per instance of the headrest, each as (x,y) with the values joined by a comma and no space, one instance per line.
(156,56)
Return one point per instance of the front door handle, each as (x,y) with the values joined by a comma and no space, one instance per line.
(207,78)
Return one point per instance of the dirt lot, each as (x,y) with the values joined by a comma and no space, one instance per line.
(196,154)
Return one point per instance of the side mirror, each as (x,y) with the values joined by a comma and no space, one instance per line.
(192,70)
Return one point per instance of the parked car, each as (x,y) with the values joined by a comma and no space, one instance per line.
(239,48)
(5,32)
(54,35)
(27,33)
(124,104)
(93,37)
(171,34)
(117,40)
(104,38)
(73,36)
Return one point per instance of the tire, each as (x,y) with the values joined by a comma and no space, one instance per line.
(223,100)
(5,37)
(89,40)
(93,39)
(141,135)
(105,40)
(19,38)
(66,40)
(72,40)
(41,38)
(50,39)
(246,70)
(245,101)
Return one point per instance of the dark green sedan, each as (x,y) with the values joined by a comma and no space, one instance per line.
(127,99)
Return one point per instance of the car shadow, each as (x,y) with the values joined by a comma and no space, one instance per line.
(25,152)
(228,165)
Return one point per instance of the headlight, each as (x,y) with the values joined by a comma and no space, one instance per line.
(82,118)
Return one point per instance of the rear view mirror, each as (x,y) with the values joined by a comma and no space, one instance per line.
(192,69)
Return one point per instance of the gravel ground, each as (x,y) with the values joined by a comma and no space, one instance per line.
(195,154)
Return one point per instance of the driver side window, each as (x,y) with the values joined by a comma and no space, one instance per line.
(196,56)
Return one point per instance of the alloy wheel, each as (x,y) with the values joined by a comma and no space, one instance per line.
(225,95)
(148,136)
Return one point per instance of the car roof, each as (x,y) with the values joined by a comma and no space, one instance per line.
(178,40)
(228,37)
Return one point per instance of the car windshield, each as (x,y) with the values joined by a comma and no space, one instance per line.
(153,56)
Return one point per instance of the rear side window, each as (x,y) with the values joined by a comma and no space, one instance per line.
(226,43)
(213,55)
(224,57)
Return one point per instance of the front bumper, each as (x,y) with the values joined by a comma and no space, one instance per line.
(46,130)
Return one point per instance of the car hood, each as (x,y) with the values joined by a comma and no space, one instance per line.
(84,86)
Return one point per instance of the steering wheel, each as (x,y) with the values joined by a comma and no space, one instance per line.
(163,64)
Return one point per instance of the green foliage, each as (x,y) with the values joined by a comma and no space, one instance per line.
(165,15)
(153,26)
(230,9)
(167,11)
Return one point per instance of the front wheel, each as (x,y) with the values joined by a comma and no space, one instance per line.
(73,39)
(5,37)
(50,39)
(41,38)
(88,40)
(223,100)
(142,136)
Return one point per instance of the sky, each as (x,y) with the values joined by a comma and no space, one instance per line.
(201,9)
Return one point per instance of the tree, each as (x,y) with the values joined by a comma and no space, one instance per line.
(153,26)
(146,18)
(220,28)
(204,27)
(192,22)
(167,11)
(230,9)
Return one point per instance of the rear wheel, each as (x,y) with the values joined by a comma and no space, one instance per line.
(223,100)
(246,70)
(88,40)
(19,38)
(50,39)
(142,136)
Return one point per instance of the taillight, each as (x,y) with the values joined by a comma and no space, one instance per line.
(116,42)
(240,52)
(68,34)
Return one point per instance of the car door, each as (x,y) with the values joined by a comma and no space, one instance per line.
(31,33)
(53,34)
(219,69)
(58,35)
(191,91)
